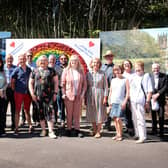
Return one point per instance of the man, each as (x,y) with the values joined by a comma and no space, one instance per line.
(29,60)
(159,82)
(52,64)
(108,69)
(60,102)
(9,68)
(32,66)
(19,83)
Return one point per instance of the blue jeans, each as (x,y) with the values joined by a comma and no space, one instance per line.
(61,106)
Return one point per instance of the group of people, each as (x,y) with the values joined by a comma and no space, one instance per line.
(110,92)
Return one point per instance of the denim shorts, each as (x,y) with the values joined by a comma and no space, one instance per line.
(116,111)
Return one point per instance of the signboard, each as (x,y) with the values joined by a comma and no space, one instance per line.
(86,49)
(3,36)
(148,45)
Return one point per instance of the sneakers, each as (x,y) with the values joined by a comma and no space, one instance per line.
(140,141)
(52,135)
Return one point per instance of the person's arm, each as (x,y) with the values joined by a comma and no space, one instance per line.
(63,83)
(55,80)
(31,88)
(162,90)
(84,86)
(105,90)
(126,95)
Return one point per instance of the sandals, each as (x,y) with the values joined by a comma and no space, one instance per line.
(117,138)
(31,129)
(97,135)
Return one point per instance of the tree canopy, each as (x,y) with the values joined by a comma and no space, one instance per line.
(75,18)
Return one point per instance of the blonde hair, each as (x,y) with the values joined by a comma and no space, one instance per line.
(140,63)
(97,59)
(75,57)
(9,56)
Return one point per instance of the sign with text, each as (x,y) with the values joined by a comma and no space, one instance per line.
(86,49)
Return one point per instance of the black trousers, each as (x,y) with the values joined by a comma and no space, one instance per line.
(35,113)
(10,99)
(2,116)
(128,116)
(160,114)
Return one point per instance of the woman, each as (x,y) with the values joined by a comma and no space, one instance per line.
(118,96)
(73,83)
(3,86)
(96,96)
(140,95)
(43,86)
(128,71)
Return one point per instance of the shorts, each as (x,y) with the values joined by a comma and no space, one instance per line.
(116,111)
(22,98)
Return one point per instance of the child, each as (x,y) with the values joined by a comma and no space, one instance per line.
(118,96)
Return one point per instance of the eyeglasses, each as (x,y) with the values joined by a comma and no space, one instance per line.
(63,58)
(29,56)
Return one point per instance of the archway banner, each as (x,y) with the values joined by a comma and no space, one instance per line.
(86,49)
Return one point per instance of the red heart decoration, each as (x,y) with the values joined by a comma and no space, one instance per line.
(91,44)
(12,44)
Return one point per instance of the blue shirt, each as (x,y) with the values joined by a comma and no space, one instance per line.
(21,79)
(32,66)
(8,72)
(108,70)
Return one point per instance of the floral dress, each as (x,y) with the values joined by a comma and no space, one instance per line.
(44,90)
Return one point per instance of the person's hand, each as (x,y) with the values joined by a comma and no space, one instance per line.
(105,101)
(123,105)
(147,106)
(54,97)
(1,92)
(34,97)
(155,96)
(63,96)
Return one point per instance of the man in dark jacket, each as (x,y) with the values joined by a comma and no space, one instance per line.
(159,82)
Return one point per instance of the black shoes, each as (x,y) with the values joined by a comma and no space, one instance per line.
(74,133)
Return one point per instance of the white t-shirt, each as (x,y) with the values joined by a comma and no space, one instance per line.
(118,87)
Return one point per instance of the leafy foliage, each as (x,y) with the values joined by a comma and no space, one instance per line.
(74,18)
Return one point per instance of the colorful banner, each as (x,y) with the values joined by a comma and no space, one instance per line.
(86,49)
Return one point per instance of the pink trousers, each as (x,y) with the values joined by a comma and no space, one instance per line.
(73,110)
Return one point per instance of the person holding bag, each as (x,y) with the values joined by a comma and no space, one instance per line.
(159,83)
(140,95)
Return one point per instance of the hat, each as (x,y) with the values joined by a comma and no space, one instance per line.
(108,53)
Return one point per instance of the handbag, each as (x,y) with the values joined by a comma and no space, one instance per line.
(154,105)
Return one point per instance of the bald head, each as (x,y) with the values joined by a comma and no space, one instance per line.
(156,68)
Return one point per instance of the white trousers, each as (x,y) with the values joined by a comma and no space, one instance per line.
(138,116)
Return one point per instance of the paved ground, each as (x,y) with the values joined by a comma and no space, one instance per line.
(32,151)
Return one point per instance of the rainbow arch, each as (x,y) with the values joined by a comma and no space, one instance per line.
(55,48)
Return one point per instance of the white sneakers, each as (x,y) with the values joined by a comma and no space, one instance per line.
(52,135)
(140,141)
